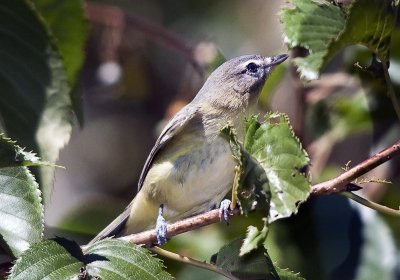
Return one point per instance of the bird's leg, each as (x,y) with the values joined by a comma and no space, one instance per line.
(161,227)
(227,205)
(224,211)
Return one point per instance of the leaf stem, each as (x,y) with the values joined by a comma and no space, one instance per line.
(376,206)
(391,92)
(187,260)
(235,186)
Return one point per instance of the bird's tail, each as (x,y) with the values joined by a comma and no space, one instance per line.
(115,228)
(141,214)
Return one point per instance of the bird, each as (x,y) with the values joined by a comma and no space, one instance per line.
(191,168)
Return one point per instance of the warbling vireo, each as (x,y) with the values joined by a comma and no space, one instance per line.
(190,168)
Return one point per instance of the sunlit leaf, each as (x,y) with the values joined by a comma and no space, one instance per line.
(276,148)
(254,239)
(21,211)
(286,274)
(46,260)
(324,28)
(107,259)
(116,259)
(250,183)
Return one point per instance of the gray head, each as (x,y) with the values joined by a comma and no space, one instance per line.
(237,81)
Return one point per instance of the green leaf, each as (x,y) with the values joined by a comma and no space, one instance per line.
(324,28)
(312,26)
(276,148)
(254,239)
(286,274)
(46,260)
(13,155)
(250,183)
(255,265)
(35,105)
(116,259)
(20,203)
(70,34)
(69,31)
(107,259)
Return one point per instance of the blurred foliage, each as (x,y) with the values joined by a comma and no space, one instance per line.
(36,108)
(70,33)
(144,60)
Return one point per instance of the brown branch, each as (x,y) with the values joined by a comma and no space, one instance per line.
(189,224)
(339,183)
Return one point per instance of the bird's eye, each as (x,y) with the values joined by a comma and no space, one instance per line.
(252,67)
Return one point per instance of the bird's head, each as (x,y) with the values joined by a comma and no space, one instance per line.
(238,81)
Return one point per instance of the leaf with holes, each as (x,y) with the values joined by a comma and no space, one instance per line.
(276,148)
(324,28)
(250,183)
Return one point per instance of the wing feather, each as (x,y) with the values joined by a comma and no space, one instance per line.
(174,126)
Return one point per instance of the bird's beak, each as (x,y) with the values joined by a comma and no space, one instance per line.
(275,60)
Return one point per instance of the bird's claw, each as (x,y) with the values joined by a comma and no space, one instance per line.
(161,227)
(224,210)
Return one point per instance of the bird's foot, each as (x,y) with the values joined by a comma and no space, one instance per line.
(224,211)
(161,227)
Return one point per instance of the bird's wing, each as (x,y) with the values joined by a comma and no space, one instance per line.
(180,120)
(174,126)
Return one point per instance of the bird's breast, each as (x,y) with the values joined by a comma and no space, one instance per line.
(192,176)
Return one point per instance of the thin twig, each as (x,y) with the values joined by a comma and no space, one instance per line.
(339,183)
(108,14)
(376,206)
(187,260)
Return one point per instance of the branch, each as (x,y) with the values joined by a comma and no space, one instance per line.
(370,204)
(149,237)
(116,17)
(339,183)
